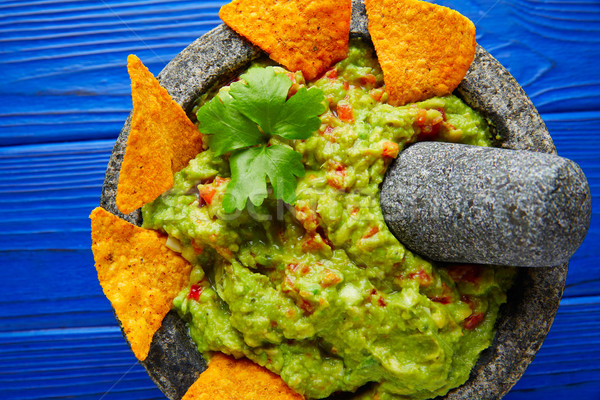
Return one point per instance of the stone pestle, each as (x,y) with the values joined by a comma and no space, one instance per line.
(469,204)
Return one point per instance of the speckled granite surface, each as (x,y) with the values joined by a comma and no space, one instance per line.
(488,87)
(496,206)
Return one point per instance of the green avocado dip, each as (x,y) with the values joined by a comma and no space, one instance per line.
(320,292)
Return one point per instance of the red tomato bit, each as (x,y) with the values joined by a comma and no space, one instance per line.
(390,149)
(422,276)
(376,94)
(329,278)
(345,113)
(321,232)
(428,129)
(337,181)
(466,273)
(473,320)
(207,193)
(372,232)
(368,80)
(295,86)
(306,306)
(195,292)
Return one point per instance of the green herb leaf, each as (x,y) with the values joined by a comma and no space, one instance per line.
(228,128)
(260,95)
(254,109)
(249,169)
(300,114)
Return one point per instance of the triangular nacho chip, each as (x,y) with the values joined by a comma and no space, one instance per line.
(138,274)
(424,49)
(302,35)
(162,140)
(229,379)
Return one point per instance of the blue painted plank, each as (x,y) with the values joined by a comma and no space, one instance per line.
(66,61)
(87,363)
(63,61)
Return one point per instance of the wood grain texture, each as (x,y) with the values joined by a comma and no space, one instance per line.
(64,97)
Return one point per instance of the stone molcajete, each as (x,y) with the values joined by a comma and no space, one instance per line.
(174,363)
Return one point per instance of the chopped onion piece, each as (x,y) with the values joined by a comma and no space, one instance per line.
(173,244)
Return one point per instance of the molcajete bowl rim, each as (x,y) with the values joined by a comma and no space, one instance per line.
(218,56)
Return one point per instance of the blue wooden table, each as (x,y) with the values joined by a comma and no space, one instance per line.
(64,95)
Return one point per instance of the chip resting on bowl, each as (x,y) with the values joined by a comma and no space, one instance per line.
(424,49)
(161,141)
(302,35)
(229,379)
(138,274)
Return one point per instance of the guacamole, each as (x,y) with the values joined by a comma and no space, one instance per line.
(320,292)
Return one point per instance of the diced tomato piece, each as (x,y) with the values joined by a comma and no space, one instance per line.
(465,273)
(195,292)
(380,299)
(306,306)
(295,86)
(390,149)
(428,130)
(288,285)
(321,232)
(376,94)
(345,113)
(328,133)
(328,130)
(422,276)
(441,299)
(445,297)
(332,73)
(207,193)
(337,181)
(292,76)
(313,242)
(329,278)
(293,266)
(368,80)
(201,202)
(371,232)
(219,181)
(473,320)
(441,110)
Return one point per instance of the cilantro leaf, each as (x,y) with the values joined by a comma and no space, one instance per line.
(260,95)
(243,119)
(228,128)
(250,167)
(299,116)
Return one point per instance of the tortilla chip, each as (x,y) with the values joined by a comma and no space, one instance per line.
(302,35)
(138,274)
(424,49)
(162,140)
(229,379)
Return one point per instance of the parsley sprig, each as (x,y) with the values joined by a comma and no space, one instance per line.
(243,119)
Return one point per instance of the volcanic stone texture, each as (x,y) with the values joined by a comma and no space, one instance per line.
(470,204)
